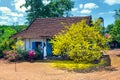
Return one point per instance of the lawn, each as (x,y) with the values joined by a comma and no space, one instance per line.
(71,65)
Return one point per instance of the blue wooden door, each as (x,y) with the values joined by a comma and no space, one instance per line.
(49,48)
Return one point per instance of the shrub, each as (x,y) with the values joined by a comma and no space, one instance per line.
(81,42)
(19,48)
(11,55)
(24,55)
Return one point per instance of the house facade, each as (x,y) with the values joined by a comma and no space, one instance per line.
(41,30)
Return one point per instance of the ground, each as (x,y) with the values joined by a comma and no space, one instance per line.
(44,71)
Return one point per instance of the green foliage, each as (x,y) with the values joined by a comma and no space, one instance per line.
(55,8)
(5,33)
(38,54)
(19,28)
(81,42)
(115,31)
(109,28)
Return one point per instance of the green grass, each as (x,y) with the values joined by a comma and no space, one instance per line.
(70,65)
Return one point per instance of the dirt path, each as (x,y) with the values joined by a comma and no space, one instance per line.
(43,71)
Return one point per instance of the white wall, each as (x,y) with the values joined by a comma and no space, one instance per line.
(28,42)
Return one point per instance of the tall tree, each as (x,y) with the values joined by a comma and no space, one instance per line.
(53,8)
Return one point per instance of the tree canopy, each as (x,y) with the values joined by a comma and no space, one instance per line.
(54,8)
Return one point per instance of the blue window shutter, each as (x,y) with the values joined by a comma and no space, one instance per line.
(33,45)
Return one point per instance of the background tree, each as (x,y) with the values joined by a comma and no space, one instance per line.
(114,29)
(80,42)
(109,28)
(54,8)
(100,22)
(6,32)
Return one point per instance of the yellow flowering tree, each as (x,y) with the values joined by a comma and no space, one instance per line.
(81,42)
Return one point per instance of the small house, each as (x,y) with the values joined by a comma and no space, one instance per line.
(41,30)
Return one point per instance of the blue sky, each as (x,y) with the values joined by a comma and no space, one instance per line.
(10,11)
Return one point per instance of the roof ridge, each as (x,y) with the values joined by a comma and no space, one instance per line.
(65,17)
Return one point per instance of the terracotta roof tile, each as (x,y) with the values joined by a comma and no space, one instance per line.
(48,27)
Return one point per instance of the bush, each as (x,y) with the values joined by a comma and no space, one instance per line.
(18,47)
(11,55)
(24,55)
(38,55)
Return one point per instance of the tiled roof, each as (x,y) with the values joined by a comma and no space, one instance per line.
(48,27)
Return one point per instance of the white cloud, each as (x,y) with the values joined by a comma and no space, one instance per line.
(81,6)
(4,17)
(18,3)
(106,13)
(111,12)
(74,9)
(87,8)
(101,13)
(85,11)
(9,17)
(15,14)
(90,6)
(3,22)
(46,2)
(5,9)
(15,19)
(112,2)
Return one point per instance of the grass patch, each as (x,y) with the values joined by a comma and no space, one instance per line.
(71,65)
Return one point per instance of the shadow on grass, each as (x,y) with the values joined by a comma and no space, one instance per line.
(28,61)
(110,68)
(118,55)
(94,69)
